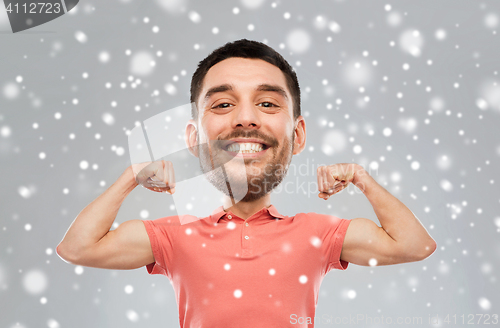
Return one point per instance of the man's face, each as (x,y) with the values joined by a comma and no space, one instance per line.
(246,108)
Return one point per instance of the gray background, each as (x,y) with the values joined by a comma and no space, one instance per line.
(439,158)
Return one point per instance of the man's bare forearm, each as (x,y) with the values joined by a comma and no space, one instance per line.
(396,219)
(95,220)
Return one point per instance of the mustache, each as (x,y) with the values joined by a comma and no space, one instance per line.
(271,141)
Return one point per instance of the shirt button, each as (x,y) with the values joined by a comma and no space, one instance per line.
(246,223)
(229,217)
(246,237)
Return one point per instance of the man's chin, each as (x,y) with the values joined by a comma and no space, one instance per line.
(242,189)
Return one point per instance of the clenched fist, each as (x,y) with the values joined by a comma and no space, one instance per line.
(336,177)
(156,176)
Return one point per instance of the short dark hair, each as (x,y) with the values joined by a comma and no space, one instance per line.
(245,49)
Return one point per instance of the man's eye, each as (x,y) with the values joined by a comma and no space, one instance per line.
(223,105)
(267,104)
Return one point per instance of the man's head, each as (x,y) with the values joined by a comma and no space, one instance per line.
(245,49)
(245,108)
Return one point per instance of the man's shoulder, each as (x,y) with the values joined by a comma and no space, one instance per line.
(177,220)
(315,215)
(318,219)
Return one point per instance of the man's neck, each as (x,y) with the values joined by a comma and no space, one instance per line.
(246,209)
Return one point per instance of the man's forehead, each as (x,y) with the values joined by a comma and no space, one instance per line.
(236,72)
(228,87)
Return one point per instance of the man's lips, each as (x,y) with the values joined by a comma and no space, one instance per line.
(228,143)
(245,154)
(236,151)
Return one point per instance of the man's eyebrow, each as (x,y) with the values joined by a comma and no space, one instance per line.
(273,88)
(218,88)
(261,87)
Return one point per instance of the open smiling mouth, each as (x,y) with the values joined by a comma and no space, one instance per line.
(246,148)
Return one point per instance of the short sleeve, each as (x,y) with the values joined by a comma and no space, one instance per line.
(333,232)
(161,233)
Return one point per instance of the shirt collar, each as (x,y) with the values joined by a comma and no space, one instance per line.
(265,213)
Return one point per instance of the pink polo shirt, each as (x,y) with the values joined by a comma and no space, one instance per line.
(258,272)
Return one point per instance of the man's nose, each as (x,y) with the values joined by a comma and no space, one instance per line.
(246,115)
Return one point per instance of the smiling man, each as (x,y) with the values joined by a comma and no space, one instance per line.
(247,103)
(245,265)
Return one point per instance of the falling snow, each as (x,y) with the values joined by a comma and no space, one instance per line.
(35,282)
(298,41)
(237,293)
(413,98)
(81,37)
(411,42)
(142,63)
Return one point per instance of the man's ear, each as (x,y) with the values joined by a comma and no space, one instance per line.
(191,137)
(300,135)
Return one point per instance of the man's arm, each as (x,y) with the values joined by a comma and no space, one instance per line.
(89,240)
(402,238)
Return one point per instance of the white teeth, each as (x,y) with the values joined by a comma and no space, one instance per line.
(246,147)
